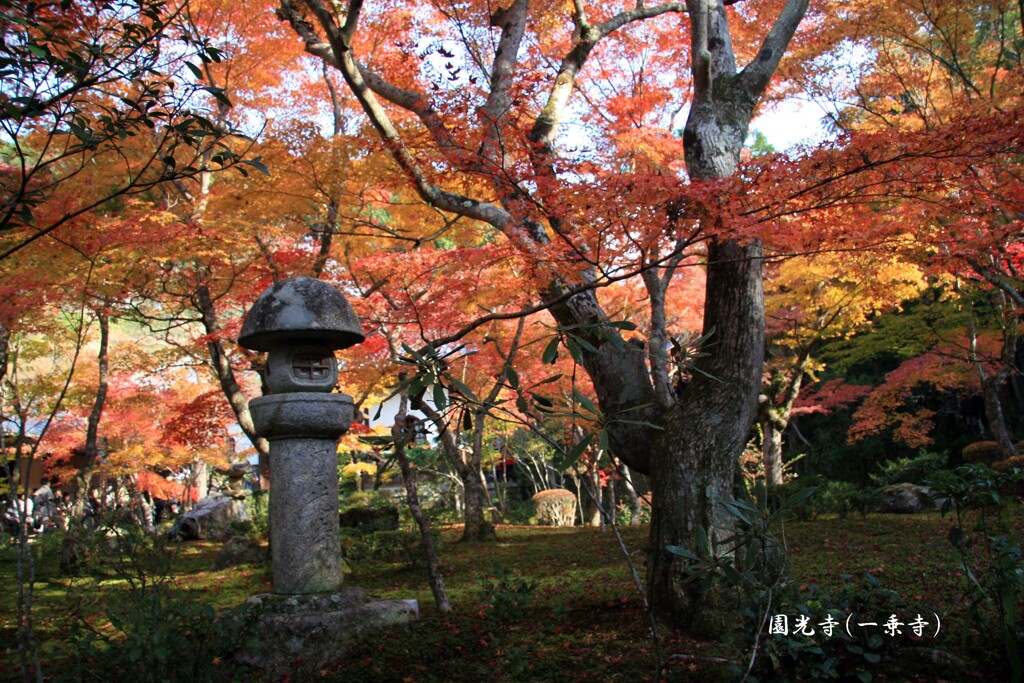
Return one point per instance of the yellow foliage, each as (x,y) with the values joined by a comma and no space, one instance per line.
(355,469)
(811,298)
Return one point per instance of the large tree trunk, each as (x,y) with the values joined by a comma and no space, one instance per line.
(704,434)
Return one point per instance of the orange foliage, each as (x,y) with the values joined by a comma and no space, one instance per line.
(893,404)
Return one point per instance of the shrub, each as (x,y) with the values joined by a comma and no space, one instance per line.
(158,635)
(912,470)
(623,513)
(860,655)
(991,559)
(506,596)
(831,497)
(396,547)
(982,452)
(1009,464)
(843,497)
(365,499)
(520,512)
(556,507)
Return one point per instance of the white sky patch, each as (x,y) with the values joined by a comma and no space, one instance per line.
(792,123)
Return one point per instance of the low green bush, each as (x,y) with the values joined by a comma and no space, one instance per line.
(822,648)
(991,559)
(507,595)
(912,470)
(157,634)
(393,547)
(831,498)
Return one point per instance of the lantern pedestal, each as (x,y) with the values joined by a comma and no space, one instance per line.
(303,430)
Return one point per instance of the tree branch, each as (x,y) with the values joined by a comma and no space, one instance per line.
(755,76)
(345,62)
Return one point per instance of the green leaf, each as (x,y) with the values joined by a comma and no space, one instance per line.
(219,95)
(702,542)
(574,349)
(575,453)
(750,561)
(733,510)
(196,71)
(584,344)
(682,552)
(257,164)
(462,389)
(797,498)
(732,575)
(542,400)
(512,376)
(585,402)
(550,354)
(440,397)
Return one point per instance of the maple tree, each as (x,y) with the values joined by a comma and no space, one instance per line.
(810,300)
(511,112)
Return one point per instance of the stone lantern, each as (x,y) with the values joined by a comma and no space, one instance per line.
(300,322)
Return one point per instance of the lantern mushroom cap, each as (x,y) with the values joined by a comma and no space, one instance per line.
(300,309)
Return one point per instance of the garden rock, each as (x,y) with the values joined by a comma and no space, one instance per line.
(370,520)
(905,499)
(210,518)
(240,550)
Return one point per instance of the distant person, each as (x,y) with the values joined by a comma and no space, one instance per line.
(18,516)
(45,506)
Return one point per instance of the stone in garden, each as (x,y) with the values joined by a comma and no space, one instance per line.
(239,550)
(905,499)
(316,630)
(236,474)
(211,518)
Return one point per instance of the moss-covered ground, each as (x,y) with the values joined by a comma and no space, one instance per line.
(568,609)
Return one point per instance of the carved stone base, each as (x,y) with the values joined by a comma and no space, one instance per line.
(307,632)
